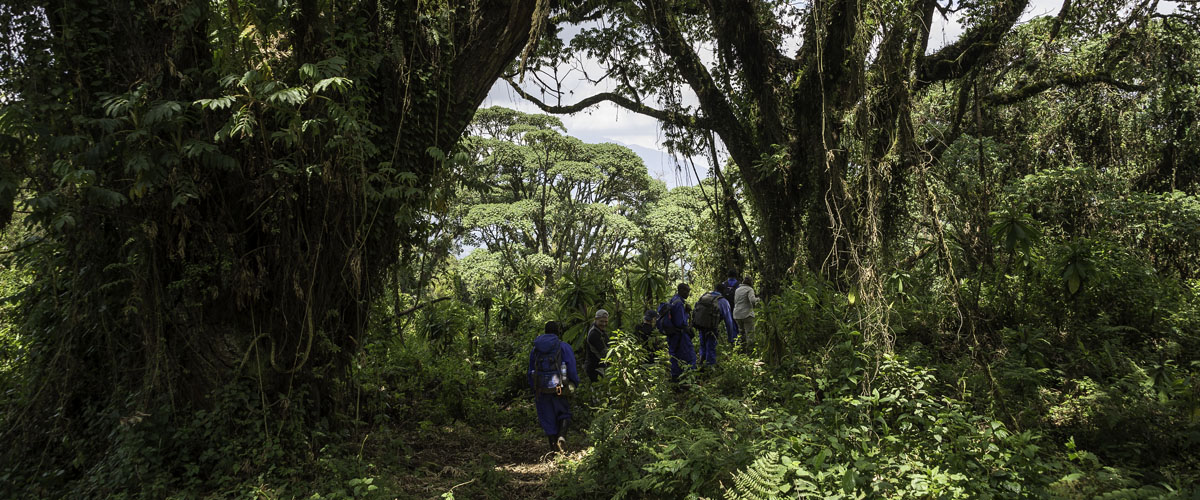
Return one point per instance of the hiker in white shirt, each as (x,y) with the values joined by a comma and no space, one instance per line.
(743,309)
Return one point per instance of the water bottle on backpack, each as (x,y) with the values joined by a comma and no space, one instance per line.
(567,386)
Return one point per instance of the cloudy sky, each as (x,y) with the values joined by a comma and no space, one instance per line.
(606,122)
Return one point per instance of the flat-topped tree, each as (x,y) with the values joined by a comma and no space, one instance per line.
(551,201)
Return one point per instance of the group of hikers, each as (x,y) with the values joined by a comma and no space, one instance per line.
(552,366)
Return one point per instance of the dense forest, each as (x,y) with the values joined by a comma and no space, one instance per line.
(282,249)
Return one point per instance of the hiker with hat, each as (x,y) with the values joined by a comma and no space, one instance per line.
(595,346)
(552,377)
(674,324)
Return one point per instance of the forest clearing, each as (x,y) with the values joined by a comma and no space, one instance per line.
(305,250)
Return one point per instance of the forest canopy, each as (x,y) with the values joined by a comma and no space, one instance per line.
(280,250)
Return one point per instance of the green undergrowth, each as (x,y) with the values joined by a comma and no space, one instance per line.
(1087,408)
(838,423)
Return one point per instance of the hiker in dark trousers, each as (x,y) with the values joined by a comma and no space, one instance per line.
(551,376)
(646,334)
(706,316)
(678,332)
(596,346)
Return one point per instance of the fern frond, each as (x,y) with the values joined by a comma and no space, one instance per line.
(764,479)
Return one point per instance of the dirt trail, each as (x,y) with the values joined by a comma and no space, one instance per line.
(471,463)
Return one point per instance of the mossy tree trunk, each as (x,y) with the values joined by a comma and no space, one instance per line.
(219,190)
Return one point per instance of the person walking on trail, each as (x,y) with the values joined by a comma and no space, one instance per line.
(743,310)
(645,334)
(596,346)
(707,314)
(674,324)
(552,377)
(731,285)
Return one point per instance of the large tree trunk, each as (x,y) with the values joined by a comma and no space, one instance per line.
(809,212)
(255,261)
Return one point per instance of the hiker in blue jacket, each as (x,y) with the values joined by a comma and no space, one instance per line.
(674,325)
(552,376)
(706,316)
(731,284)
(646,336)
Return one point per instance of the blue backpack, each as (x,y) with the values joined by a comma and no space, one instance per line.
(730,292)
(664,323)
(547,372)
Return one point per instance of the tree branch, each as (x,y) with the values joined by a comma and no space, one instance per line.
(579,12)
(1065,80)
(30,243)
(418,307)
(714,103)
(712,152)
(671,117)
(935,147)
(737,24)
(1058,20)
(958,58)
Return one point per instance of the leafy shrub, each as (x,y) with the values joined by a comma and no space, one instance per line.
(800,320)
